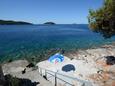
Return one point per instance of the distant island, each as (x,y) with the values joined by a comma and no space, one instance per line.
(50,23)
(11,22)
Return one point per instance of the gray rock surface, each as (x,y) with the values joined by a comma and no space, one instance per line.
(15,69)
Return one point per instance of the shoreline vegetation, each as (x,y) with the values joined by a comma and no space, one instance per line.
(12,22)
(49,23)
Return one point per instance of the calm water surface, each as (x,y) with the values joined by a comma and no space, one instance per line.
(19,41)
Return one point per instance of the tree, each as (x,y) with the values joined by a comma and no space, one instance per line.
(102,20)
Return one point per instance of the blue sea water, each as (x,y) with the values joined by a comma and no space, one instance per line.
(18,41)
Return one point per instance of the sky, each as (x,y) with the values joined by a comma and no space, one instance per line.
(40,11)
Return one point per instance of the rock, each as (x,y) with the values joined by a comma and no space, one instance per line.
(15,66)
(24,71)
(30,65)
(112,68)
(99,79)
(110,83)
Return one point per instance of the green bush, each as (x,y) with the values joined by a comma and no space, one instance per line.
(103,20)
(12,81)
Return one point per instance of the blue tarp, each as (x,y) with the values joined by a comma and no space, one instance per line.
(56,58)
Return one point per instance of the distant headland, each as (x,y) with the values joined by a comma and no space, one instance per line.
(50,23)
(11,22)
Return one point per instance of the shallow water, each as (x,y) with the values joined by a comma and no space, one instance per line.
(20,41)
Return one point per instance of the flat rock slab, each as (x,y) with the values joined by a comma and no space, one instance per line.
(34,76)
(15,69)
(15,66)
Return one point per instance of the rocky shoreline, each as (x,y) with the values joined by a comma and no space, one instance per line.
(96,65)
(20,73)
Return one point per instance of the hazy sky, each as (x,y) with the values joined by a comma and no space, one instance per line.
(40,11)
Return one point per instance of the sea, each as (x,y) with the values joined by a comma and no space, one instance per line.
(35,41)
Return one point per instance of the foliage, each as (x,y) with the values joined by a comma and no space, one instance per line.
(50,23)
(2,79)
(4,22)
(103,20)
(12,81)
